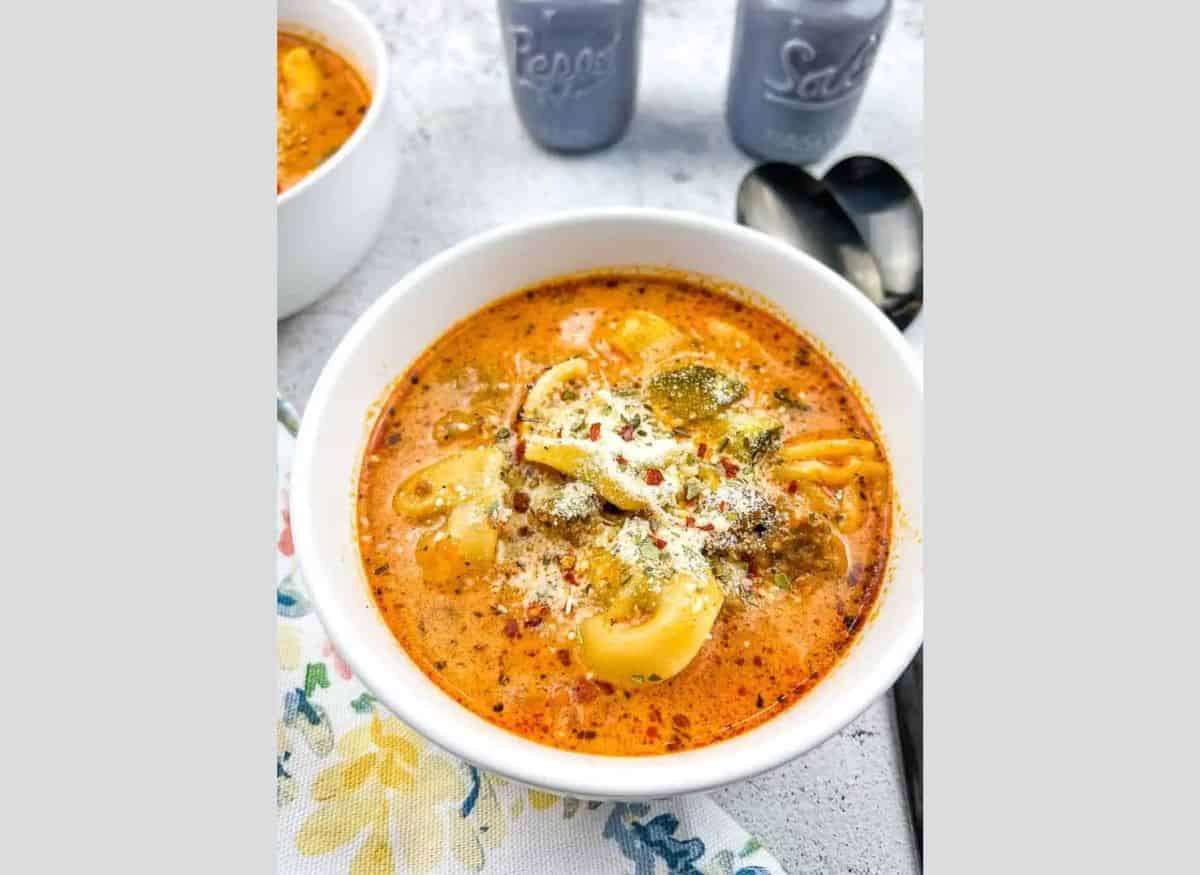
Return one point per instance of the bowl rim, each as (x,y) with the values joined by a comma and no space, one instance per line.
(674,778)
(374,110)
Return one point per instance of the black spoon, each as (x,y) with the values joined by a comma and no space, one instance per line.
(908,696)
(784,201)
(864,221)
(888,216)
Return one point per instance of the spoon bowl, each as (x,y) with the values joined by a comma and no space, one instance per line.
(784,201)
(888,216)
(862,220)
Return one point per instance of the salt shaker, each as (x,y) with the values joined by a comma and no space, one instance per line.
(573,68)
(798,72)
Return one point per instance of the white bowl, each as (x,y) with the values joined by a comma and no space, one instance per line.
(328,220)
(453,285)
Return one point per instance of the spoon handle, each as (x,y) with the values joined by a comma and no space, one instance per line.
(903,309)
(907,695)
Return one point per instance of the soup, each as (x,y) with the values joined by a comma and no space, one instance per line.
(320,101)
(624,513)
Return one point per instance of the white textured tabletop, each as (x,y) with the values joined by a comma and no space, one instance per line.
(468,166)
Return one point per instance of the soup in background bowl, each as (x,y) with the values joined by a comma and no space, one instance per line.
(830,633)
(335,175)
(320,101)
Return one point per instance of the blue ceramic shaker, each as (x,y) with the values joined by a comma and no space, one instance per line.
(573,68)
(798,72)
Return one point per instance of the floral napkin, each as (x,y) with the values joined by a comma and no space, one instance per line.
(360,792)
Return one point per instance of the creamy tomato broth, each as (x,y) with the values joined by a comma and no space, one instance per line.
(624,513)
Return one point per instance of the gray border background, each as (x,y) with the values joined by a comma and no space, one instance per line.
(139,693)
(137,359)
(1061,373)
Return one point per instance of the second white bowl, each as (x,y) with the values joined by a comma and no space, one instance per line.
(328,220)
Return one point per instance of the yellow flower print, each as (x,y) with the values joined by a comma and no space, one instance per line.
(388,784)
(287,639)
(540,800)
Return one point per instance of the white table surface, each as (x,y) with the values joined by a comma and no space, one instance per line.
(468,166)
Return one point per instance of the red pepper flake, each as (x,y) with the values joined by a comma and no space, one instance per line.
(654,476)
(569,577)
(520,502)
(510,628)
(792,487)
(560,433)
(533,622)
(622,461)
(659,543)
(626,432)
(594,431)
(724,507)
(652,733)
(520,451)
(701,449)
(688,522)
(707,527)
(730,468)
(564,656)
(583,691)
(608,688)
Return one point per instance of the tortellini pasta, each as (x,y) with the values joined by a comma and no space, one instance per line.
(641,334)
(301,78)
(589,461)
(466,544)
(437,488)
(838,463)
(662,645)
(554,378)
(464,486)
(575,461)
(733,343)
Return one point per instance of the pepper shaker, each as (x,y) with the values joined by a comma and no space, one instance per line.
(573,68)
(798,72)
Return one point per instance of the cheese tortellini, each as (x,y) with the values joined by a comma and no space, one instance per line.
(467,544)
(301,78)
(845,464)
(554,378)
(436,488)
(642,334)
(624,652)
(464,486)
(582,464)
(584,458)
